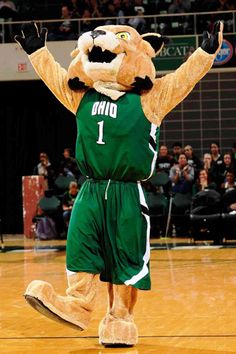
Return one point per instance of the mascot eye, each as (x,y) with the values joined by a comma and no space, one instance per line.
(123,35)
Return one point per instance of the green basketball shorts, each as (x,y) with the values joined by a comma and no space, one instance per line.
(109,233)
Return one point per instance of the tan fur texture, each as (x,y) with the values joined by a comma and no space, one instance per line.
(76,307)
(118,326)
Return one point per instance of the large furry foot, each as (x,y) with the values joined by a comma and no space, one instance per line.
(40,307)
(117,332)
(68,310)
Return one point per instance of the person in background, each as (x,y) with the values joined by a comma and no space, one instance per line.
(64,30)
(68,201)
(215,153)
(176,151)
(68,165)
(203,182)
(208,164)
(164,160)
(182,175)
(229,184)
(219,171)
(44,168)
(193,160)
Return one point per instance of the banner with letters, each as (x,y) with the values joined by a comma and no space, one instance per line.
(15,65)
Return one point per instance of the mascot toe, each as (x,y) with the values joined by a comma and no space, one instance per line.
(119,104)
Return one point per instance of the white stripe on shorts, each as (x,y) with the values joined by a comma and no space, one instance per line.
(144,271)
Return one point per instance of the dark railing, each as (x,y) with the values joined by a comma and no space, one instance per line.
(167,24)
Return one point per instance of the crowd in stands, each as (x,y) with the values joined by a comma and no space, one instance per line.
(180,174)
(114,12)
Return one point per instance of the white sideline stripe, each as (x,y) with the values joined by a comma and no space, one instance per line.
(144,271)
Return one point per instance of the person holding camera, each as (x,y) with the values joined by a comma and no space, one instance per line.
(181,176)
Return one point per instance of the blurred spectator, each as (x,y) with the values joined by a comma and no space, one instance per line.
(8,4)
(226,5)
(203,182)
(68,201)
(128,8)
(86,25)
(182,175)
(176,151)
(45,169)
(138,22)
(75,10)
(208,164)
(215,153)
(164,161)
(229,184)
(64,30)
(68,164)
(219,170)
(119,12)
(180,23)
(179,6)
(193,160)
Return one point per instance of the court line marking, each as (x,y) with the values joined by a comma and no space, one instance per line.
(93,337)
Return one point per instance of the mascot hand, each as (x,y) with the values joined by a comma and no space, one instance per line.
(31,39)
(211,43)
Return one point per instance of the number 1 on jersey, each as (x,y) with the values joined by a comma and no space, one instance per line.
(100,132)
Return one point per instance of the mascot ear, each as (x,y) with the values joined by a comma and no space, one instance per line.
(156,41)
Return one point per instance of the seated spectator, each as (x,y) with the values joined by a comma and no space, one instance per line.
(68,165)
(203,182)
(45,169)
(219,170)
(226,5)
(182,23)
(215,153)
(164,160)
(138,22)
(179,6)
(193,160)
(176,151)
(86,25)
(75,10)
(68,201)
(8,9)
(66,29)
(181,176)
(229,184)
(208,164)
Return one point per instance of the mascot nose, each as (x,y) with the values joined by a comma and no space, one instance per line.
(96,33)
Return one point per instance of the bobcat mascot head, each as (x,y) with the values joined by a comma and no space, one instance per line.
(114,57)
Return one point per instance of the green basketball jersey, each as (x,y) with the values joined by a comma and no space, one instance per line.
(115,140)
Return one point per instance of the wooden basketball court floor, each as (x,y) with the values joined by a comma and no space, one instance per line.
(190,309)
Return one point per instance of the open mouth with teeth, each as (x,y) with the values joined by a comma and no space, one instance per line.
(97,55)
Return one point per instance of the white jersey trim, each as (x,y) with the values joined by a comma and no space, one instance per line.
(144,271)
(153,135)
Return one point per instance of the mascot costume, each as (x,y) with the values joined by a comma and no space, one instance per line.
(111,88)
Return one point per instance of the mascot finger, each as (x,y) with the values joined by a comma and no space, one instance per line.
(20,40)
(30,29)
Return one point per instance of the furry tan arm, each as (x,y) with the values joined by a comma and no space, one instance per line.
(168,91)
(55,77)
